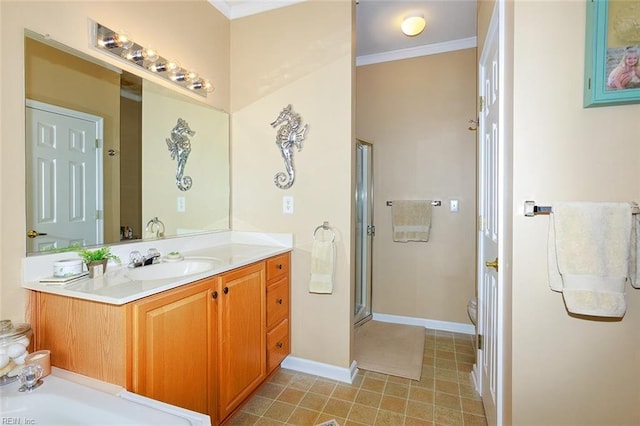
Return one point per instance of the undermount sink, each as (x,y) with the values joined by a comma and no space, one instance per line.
(188,266)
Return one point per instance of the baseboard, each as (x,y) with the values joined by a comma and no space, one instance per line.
(475,378)
(455,327)
(328,371)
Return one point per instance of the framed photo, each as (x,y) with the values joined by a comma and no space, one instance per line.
(612,55)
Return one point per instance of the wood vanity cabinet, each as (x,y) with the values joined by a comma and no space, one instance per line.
(278,312)
(172,345)
(241,336)
(205,346)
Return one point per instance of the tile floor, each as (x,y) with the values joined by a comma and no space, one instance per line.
(443,396)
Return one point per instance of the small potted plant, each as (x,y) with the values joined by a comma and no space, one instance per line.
(96,260)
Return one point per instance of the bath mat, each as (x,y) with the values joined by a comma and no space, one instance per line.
(331,422)
(394,349)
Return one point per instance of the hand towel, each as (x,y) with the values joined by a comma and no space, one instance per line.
(148,234)
(588,256)
(323,258)
(634,258)
(411,220)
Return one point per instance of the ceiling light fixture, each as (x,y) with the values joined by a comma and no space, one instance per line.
(413,24)
(120,44)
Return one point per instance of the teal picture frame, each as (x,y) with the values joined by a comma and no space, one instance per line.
(600,60)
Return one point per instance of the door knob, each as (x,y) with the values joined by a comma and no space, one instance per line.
(493,264)
(32,233)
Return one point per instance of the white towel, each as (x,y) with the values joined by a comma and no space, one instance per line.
(411,220)
(588,256)
(323,258)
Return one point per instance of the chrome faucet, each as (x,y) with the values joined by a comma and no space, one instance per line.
(137,259)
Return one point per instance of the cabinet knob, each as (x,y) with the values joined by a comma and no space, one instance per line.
(279,301)
(279,266)
(214,295)
(279,345)
(225,290)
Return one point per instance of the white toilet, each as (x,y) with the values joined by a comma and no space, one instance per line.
(472,310)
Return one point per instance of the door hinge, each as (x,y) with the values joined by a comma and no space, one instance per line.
(480,223)
(480,342)
(481,104)
(98,141)
(99,214)
(371,230)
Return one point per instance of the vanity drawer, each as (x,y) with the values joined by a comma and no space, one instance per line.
(277,266)
(277,345)
(277,302)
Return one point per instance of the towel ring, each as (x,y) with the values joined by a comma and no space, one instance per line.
(155,226)
(325,226)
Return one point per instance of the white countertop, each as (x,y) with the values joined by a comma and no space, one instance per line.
(117,288)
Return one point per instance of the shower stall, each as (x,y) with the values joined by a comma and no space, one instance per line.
(365,231)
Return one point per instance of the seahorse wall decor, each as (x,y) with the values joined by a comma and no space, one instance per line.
(290,134)
(180,147)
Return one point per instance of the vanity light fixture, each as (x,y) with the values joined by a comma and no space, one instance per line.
(119,43)
(413,24)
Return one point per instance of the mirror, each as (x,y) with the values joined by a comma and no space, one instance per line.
(122,187)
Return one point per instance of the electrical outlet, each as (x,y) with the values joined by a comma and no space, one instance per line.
(182,205)
(287,204)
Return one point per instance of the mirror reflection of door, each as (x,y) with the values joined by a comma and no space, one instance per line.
(64,177)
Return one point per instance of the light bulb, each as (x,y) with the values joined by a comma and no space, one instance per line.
(192,75)
(178,75)
(158,66)
(119,39)
(172,65)
(208,86)
(150,54)
(413,25)
(133,55)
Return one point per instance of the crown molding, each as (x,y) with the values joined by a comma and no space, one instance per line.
(247,8)
(413,52)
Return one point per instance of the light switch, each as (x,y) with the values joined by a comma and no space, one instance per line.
(454,206)
(287,204)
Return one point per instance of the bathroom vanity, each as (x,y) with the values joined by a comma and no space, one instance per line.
(205,344)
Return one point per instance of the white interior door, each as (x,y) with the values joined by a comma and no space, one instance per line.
(64,177)
(489,279)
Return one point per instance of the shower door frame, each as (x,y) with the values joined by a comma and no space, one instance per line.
(365,231)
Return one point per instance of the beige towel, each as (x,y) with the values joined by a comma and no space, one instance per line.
(323,258)
(411,220)
(589,253)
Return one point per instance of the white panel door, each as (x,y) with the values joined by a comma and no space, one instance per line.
(64,178)
(489,302)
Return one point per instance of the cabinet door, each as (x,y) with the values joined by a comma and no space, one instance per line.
(241,335)
(170,347)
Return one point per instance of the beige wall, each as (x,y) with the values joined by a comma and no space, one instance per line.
(131,162)
(175,28)
(207,202)
(566,370)
(415,112)
(299,55)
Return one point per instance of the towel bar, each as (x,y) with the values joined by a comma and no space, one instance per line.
(325,226)
(436,203)
(531,209)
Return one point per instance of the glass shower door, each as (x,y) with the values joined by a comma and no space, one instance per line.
(364,231)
